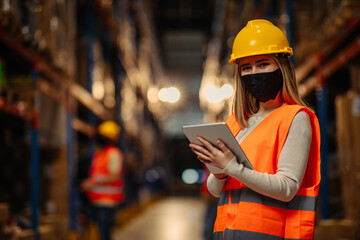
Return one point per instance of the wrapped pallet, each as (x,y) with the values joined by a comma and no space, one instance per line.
(4,212)
(346,148)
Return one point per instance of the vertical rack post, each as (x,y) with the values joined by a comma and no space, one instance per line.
(72,166)
(73,194)
(322,95)
(34,161)
(322,102)
(90,62)
(290,34)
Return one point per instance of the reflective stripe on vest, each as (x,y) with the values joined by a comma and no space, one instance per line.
(107,189)
(98,177)
(246,214)
(239,234)
(304,203)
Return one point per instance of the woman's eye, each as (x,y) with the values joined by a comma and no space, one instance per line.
(262,65)
(243,69)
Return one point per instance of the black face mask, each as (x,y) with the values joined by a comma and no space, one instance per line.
(263,86)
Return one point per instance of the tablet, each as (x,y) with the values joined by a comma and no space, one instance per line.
(213,132)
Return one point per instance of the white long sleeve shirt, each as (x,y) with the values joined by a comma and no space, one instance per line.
(284,184)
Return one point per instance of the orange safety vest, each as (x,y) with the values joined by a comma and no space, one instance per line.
(113,191)
(246,214)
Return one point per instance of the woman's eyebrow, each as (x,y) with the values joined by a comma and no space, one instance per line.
(262,60)
(245,64)
(258,61)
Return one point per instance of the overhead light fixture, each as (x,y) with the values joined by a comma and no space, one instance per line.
(98,90)
(227,91)
(215,95)
(171,94)
(212,94)
(152,95)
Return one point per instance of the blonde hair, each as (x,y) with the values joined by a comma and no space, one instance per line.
(245,105)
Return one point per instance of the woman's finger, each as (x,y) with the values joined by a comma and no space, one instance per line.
(222,146)
(202,155)
(227,152)
(206,143)
(204,161)
(200,148)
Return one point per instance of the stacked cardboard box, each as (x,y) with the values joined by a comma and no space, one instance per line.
(47,232)
(57,196)
(348,144)
(335,230)
(348,130)
(4,212)
(26,235)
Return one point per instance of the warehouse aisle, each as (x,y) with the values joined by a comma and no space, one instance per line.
(173,218)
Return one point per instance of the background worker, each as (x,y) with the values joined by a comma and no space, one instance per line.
(105,185)
(279,136)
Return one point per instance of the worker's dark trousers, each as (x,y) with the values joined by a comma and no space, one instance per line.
(104,217)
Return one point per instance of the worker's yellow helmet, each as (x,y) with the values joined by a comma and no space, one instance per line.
(109,129)
(259,37)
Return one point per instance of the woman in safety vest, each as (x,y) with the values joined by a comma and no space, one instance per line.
(279,136)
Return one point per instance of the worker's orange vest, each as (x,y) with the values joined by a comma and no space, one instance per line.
(246,214)
(113,191)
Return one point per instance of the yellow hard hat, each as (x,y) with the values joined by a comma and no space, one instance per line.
(259,37)
(109,129)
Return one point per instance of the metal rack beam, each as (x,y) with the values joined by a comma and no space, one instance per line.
(76,90)
(306,68)
(331,67)
(60,96)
